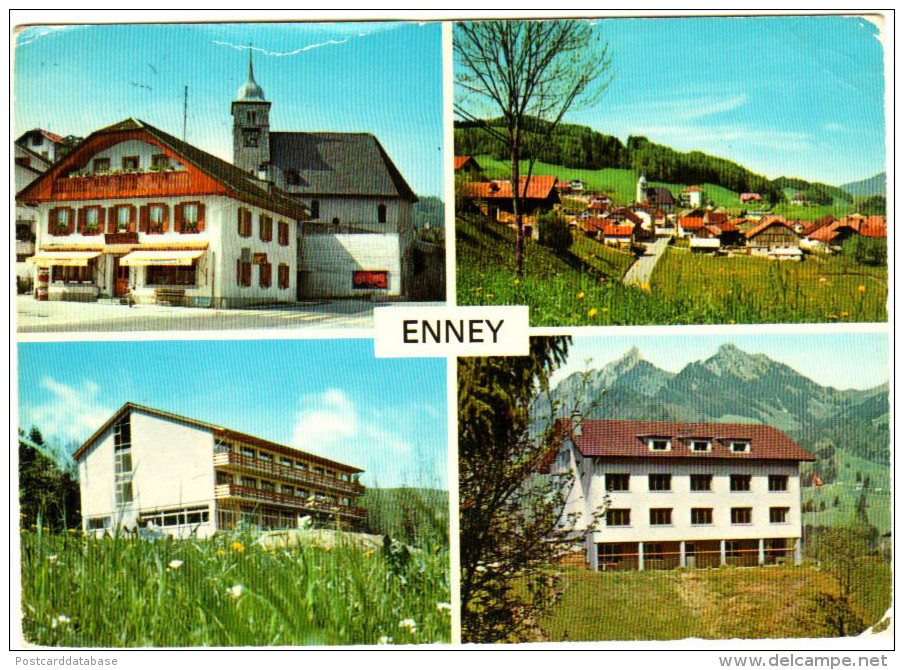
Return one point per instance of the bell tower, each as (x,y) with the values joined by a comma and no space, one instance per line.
(251,126)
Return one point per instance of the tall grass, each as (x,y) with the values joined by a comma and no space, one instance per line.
(228,591)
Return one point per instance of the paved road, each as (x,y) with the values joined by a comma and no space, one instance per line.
(51,317)
(640,273)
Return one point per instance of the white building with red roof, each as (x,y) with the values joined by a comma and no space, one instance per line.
(683,494)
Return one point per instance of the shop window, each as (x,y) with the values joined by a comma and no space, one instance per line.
(170,275)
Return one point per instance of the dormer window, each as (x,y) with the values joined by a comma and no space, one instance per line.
(130,163)
(292,178)
(660,444)
(701,446)
(101,164)
(160,161)
(739,446)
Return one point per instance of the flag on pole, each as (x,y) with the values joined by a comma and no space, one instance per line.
(817,481)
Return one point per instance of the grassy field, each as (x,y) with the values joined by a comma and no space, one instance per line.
(726,603)
(621,186)
(229,591)
(847,490)
(584,287)
(757,290)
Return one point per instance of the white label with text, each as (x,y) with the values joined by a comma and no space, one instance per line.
(403,332)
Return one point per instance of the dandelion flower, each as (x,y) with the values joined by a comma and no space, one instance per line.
(52,559)
(409,624)
(369,552)
(479,288)
(385,639)
(237,591)
(605,309)
(731,321)
(861,288)
(444,607)
(175,564)
(221,552)
(238,546)
(517,281)
(581,295)
(645,286)
(844,314)
(591,313)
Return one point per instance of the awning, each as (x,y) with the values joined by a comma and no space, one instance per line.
(161,257)
(71,258)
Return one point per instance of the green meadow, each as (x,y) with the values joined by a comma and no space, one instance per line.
(583,286)
(80,591)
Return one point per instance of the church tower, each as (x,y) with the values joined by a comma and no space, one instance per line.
(251,126)
(641,190)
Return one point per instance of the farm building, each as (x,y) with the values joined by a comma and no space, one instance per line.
(494,198)
(144,467)
(751,197)
(683,494)
(468,166)
(773,237)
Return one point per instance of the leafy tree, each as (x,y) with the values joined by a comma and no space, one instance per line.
(513,526)
(47,492)
(840,550)
(836,616)
(874,205)
(554,232)
(530,73)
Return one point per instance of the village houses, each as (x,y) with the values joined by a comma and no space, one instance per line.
(682,494)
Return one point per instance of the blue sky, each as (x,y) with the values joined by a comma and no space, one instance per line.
(792,96)
(329,397)
(842,360)
(383,78)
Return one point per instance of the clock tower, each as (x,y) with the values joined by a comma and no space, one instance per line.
(251,126)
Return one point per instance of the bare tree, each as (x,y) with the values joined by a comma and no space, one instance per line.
(517,79)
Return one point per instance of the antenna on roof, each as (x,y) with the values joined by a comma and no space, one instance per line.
(185,113)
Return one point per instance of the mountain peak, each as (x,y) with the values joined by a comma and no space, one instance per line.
(629,359)
(730,360)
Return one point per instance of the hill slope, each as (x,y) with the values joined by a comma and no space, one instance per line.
(874,185)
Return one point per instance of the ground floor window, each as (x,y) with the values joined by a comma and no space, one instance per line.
(98,523)
(264,275)
(73,274)
(185,516)
(170,275)
(243,273)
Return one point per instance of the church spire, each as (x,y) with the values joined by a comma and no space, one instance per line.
(250,90)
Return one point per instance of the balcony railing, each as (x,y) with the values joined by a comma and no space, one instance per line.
(230,460)
(123,185)
(222,491)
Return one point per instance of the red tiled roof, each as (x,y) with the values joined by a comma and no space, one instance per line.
(614,230)
(691,189)
(872,226)
(627,439)
(691,222)
(53,137)
(750,196)
(461,161)
(539,188)
(563,184)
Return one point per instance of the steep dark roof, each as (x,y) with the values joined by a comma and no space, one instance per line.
(659,195)
(53,137)
(339,164)
(627,439)
(216,430)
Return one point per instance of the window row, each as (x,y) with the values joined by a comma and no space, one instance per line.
(264,274)
(699,445)
(131,163)
(152,219)
(285,461)
(621,481)
(268,486)
(293,180)
(700,516)
(185,516)
(264,227)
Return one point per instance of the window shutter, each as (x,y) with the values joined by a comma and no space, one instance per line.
(132,216)
(111,221)
(71,220)
(82,218)
(144,219)
(164,226)
(177,216)
(51,220)
(200,217)
(101,218)
(240,221)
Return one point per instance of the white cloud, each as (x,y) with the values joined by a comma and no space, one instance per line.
(68,412)
(387,445)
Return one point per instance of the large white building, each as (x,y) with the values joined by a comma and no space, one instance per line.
(135,211)
(361,229)
(683,494)
(145,467)
(35,151)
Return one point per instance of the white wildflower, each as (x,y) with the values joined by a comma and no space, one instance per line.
(385,640)
(444,607)
(409,624)
(175,564)
(60,620)
(52,559)
(237,591)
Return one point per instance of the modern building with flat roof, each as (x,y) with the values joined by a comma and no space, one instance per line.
(148,468)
